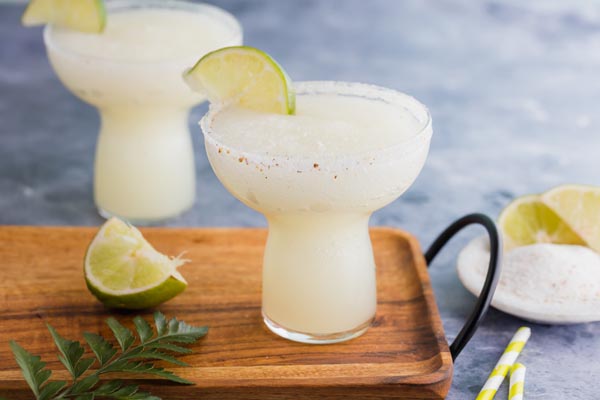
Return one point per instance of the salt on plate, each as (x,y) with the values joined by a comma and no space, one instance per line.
(549,283)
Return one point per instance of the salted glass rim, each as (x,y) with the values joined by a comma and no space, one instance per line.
(351,89)
(224,16)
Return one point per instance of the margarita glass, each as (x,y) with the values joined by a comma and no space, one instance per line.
(317,176)
(144,167)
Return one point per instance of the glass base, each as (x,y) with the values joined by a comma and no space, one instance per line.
(140,222)
(310,338)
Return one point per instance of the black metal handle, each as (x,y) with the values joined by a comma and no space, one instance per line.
(491,280)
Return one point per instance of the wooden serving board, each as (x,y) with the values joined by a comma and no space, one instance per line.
(404,355)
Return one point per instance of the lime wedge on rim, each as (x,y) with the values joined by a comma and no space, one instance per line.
(578,206)
(80,15)
(124,271)
(527,220)
(243,76)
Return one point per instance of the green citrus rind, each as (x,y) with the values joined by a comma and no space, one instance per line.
(151,298)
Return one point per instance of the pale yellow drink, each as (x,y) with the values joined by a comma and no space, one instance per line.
(317,176)
(144,168)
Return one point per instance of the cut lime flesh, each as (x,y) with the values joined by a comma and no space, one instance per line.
(578,206)
(527,220)
(80,15)
(243,76)
(124,271)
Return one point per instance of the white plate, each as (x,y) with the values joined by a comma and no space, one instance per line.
(546,299)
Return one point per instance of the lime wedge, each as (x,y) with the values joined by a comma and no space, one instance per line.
(578,206)
(527,220)
(243,76)
(80,15)
(124,271)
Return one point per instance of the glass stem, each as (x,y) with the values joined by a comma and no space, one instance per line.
(144,168)
(319,272)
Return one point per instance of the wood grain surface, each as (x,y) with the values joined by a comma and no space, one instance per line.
(404,355)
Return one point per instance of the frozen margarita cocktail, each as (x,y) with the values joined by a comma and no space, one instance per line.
(347,150)
(130,68)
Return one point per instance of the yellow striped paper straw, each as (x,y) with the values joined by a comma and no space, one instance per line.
(517,382)
(512,351)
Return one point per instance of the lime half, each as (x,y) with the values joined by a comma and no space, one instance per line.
(124,271)
(243,76)
(527,220)
(80,15)
(578,206)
